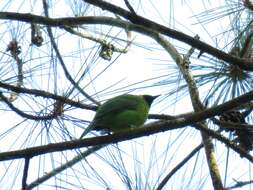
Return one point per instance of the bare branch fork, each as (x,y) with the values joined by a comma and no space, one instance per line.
(142,22)
(203,47)
(183,64)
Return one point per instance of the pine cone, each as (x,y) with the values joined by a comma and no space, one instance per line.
(234,117)
(244,137)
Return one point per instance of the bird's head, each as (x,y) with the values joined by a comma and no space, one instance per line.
(149,99)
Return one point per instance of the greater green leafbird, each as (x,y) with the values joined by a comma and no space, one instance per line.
(120,113)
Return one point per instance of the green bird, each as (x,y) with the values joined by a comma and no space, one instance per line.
(120,113)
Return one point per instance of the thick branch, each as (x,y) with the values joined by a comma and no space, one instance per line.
(197,105)
(152,128)
(203,47)
(158,126)
(142,22)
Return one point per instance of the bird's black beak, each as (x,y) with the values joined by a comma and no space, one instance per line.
(149,99)
(156,96)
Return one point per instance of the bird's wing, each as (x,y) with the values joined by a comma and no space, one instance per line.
(117,106)
(112,107)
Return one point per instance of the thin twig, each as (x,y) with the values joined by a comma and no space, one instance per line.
(67,74)
(25,174)
(46,94)
(23,114)
(239,184)
(61,168)
(102,42)
(178,166)
(129,6)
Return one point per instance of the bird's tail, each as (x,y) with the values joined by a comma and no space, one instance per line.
(87,130)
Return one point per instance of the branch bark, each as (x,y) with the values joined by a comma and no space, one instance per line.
(245,64)
(183,64)
(148,129)
(203,47)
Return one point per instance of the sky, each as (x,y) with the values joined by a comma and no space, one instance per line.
(146,160)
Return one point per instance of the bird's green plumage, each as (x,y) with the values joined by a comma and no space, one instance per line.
(122,112)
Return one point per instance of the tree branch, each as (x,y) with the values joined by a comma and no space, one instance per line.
(25,174)
(61,168)
(178,166)
(66,72)
(239,184)
(148,129)
(23,114)
(46,94)
(203,47)
(70,21)
(183,64)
